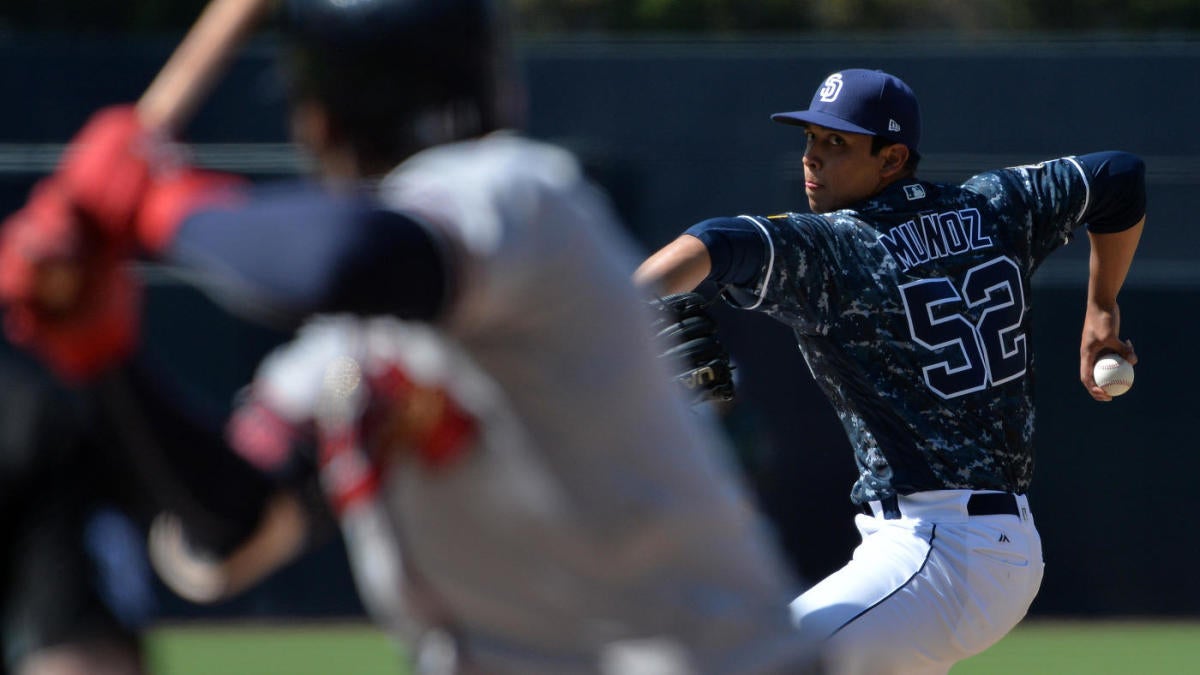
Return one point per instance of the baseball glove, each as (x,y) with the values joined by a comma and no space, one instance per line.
(687,335)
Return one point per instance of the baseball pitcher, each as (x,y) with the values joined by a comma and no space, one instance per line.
(910,301)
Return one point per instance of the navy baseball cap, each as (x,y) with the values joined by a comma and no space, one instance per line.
(864,102)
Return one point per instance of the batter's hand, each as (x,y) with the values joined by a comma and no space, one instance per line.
(40,247)
(193,575)
(133,183)
(1101,335)
(204,577)
(67,297)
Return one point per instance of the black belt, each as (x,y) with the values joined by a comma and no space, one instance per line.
(979,504)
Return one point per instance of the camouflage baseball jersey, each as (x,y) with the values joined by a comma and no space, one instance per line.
(912,311)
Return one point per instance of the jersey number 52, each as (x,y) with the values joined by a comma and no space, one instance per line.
(987,352)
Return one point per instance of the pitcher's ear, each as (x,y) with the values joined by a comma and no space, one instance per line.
(895,157)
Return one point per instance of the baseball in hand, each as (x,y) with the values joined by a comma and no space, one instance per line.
(1114,374)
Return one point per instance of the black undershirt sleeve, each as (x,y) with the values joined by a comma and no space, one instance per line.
(736,249)
(293,253)
(1118,191)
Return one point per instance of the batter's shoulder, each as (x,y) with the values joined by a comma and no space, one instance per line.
(500,156)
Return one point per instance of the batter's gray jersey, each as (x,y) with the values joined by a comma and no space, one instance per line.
(595,513)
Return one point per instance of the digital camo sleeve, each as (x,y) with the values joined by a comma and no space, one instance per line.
(805,263)
(1054,194)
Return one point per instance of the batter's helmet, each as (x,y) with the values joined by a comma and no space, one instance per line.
(400,75)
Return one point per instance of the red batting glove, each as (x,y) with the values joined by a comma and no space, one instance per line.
(133,183)
(68,299)
(106,169)
(173,196)
(81,345)
(38,246)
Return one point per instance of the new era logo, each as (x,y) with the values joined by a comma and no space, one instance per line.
(893,125)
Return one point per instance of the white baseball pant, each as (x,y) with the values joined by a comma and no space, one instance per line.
(927,587)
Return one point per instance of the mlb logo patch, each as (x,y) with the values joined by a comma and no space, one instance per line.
(914,192)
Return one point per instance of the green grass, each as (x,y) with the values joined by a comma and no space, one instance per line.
(260,649)
(1092,648)
(1035,647)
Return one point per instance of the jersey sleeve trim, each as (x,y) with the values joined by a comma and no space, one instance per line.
(1118,187)
(766,279)
(1087,188)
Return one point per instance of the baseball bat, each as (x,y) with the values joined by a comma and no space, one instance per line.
(195,65)
(169,102)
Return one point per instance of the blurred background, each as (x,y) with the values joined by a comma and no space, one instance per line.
(667,102)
